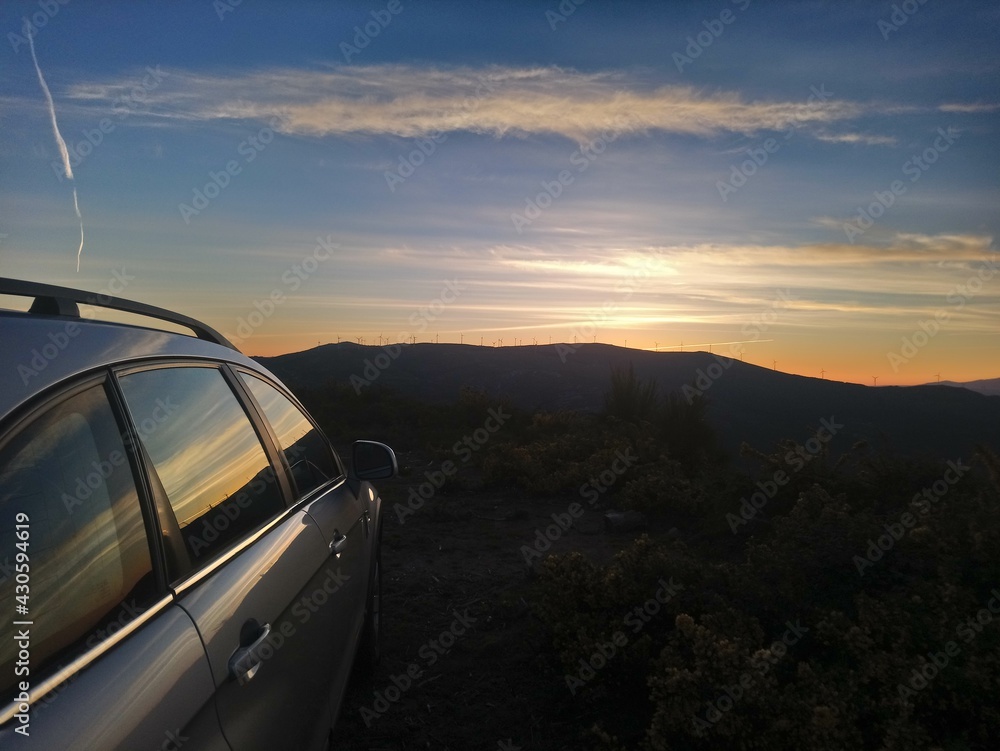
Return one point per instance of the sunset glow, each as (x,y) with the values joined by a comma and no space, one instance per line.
(798,185)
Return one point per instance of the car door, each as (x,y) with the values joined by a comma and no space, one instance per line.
(93,650)
(331,502)
(256,577)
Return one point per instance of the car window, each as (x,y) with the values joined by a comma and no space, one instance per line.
(74,549)
(207,456)
(306,451)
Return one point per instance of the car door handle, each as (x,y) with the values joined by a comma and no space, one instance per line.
(245,662)
(338,544)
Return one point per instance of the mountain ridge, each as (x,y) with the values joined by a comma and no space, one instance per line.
(747,403)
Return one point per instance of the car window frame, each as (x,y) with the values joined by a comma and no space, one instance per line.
(277,386)
(52,678)
(261,427)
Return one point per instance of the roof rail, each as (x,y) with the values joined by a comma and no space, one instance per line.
(62,301)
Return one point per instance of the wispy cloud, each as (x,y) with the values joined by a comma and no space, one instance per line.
(857,138)
(975,108)
(406,100)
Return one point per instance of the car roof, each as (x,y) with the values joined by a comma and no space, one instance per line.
(53,342)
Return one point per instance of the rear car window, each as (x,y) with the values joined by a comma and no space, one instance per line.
(75,559)
(306,451)
(206,454)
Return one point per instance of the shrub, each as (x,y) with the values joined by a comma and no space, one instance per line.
(630,398)
(560,452)
(886,655)
(662,487)
(686,432)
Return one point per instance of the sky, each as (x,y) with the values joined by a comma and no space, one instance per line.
(809,186)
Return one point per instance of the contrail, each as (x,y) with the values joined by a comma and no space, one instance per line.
(79,251)
(63,151)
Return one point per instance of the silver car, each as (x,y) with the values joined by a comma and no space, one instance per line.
(184,560)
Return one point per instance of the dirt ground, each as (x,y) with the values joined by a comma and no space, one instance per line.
(458,618)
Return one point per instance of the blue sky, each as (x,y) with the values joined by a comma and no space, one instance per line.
(656,173)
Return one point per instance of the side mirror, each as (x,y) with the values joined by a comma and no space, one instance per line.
(371,460)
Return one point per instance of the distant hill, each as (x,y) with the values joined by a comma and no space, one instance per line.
(747,402)
(988,386)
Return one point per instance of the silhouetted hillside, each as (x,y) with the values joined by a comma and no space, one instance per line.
(747,402)
(988,386)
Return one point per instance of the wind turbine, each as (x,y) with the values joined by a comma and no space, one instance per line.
(875,380)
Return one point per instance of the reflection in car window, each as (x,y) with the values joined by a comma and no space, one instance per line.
(304,447)
(206,454)
(85,562)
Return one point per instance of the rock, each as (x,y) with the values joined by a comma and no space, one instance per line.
(624,521)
